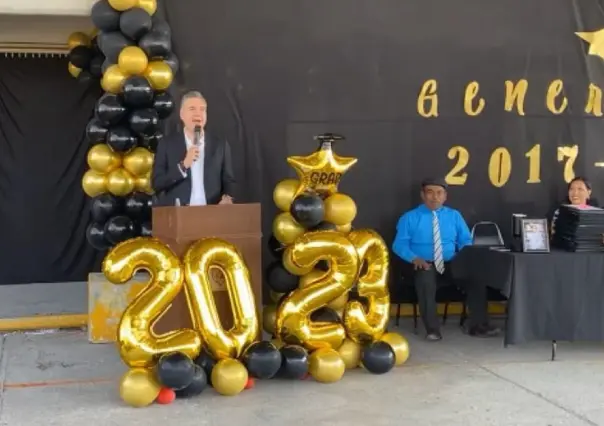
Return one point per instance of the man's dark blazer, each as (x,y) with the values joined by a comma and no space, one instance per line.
(169,183)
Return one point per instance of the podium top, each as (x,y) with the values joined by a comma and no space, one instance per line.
(185,223)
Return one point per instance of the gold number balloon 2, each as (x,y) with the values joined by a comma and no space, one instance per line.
(293,317)
(368,326)
(198,261)
(139,345)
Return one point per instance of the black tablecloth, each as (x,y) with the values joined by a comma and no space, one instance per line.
(552,296)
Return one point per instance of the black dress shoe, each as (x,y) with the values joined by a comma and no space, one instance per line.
(434,336)
(484,331)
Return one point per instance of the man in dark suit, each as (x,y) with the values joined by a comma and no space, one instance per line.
(193,168)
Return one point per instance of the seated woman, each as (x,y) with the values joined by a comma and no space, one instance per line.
(579,194)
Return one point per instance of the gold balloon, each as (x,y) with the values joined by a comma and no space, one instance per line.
(139,346)
(326,365)
(159,74)
(138,387)
(283,194)
(344,228)
(113,79)
(132,60)
(73,70)
(143,184)
(340,209)
(350,351)
(286,229)
(373,284)
(120,182)
(314,276)
(294,269)
(400,346)
(122,5)
(293,316)
(78,39)
(138,162)
(320,171)
(103,159)
(150,6)
(94,183)
(275,297)
(229,377)
(223,256)
(269,319)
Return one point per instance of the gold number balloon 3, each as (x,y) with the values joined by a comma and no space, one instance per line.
(368,326)
(199,259)
(139,345)
(293,317)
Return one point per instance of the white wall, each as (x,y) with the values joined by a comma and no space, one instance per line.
(46,7)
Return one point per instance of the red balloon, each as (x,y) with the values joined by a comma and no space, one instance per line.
(250,383)
(166,396)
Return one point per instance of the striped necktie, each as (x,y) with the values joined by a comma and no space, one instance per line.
(439,262)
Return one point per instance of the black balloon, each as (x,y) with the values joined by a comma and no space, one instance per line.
(94,45)
(325,226)
(80,56)
(138,206)
(96,66)
(173,63)
(135,23)
(119,228)
(85,78)
(308,210)
(275,247)
(146,230)
(110,110)
(205,361)
(121,139)
(112,44)
(137,92)
(104,17)
(262,360)
(144,122)
(163,103)
(279,279)
(151,142)
(156,45)
(160,26)
(105,206)
(175,370)
(96,132)
(294,362)
(197,386)
(378,357)
(95,234)
(325,314)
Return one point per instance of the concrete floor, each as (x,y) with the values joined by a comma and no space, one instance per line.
(61,379)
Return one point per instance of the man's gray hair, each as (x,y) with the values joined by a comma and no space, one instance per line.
(192,94)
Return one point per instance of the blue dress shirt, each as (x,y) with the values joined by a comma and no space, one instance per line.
(414,235)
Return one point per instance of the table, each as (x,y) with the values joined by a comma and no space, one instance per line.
(551,296)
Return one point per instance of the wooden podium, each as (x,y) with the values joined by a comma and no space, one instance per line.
(239,224)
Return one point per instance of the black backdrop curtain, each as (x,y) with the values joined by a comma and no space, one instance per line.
(277,72)
(43,209)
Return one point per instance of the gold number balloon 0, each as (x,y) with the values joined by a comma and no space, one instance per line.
(293,317)
(198,261)
(139,345)
(368,326)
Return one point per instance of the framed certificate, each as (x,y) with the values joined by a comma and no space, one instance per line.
(535,238)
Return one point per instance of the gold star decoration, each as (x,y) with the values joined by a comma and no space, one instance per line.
(596,42)
(320,171)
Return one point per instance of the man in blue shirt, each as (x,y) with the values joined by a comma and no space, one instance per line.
(427,238)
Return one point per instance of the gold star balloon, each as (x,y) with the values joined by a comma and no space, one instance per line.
(322,170)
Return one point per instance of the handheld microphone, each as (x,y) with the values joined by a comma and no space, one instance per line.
(197,131)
